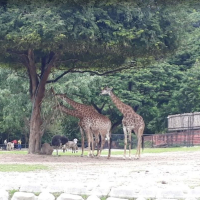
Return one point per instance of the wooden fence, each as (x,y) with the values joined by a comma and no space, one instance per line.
(184,121)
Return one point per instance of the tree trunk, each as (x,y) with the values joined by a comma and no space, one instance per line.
(35,124)
(37,92)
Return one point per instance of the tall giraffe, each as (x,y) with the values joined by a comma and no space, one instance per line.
(82,109)
(84,125)
(98,124)
(131,121)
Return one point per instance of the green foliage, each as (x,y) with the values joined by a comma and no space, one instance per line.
(96,34)
(15,105)
(188,97)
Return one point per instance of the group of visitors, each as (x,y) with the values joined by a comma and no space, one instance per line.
(17,144)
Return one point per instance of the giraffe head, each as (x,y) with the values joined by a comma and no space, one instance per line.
(106,90)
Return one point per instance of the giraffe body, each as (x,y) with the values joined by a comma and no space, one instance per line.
(91,122)
(131,121)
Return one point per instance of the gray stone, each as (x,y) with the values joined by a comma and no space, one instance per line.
(56,187)
(26,187)
(46,196)
(190,198)
(113,198)
(76,189)
(149,192)
(171,193)
(101,191)
(194,192)
(140,198)
(124,192)
(166,199)
(93,197)
(23,196)
(3,195)
(65,196)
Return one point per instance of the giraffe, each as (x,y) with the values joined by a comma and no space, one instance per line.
(84,109)
(131,121)
(98,124)
(83,124)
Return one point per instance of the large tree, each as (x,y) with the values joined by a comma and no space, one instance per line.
(79,36)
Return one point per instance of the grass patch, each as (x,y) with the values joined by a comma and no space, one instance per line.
(114,151)
(14,152)
(12,192)
(36,193)
(56,194)
(155,150)
(21,167)
(172,149)
(84,196)
(133,151)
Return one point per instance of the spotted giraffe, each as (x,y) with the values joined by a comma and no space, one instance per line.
(131,121)
(92,123)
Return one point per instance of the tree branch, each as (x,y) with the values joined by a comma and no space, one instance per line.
(44,77)
(103,73)
(73,70)
(59,77)
(116,124)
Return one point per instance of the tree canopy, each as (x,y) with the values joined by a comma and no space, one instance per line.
(94,35)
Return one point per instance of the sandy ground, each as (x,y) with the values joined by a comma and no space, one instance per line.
(180,168)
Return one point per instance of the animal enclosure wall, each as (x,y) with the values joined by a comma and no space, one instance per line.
(184,138)
(184,121)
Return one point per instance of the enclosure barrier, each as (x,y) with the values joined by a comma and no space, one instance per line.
(185,121)
(173,139)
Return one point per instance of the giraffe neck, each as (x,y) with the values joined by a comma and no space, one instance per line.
(74,104)
(119,104)
(73,113)
(78,106)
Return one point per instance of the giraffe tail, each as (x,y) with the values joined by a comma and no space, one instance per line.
(110,144)
(99,141)
(109,147)
(142,143)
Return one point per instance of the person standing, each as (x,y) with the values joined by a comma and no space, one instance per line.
(15,143)
(5,144)
(19,144)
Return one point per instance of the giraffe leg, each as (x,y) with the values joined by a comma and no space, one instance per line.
(102,144)
(129,142)
(137,155)
(99,144)
(139,136)
(109,144)
(96,133)
(92,144)
(91,147)
(82,141)
(125,141)
(89,142)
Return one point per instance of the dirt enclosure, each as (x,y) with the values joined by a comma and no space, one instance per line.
(175,169)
